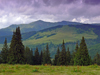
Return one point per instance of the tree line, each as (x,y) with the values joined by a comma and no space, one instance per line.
(17,53)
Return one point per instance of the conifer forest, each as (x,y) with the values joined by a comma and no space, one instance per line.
(17,53)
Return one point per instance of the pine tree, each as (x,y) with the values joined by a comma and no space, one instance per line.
(72,58)
(73,54)
(19,47)
(36,57)
(68,56)
(11,56)
(28,56)
(56,59)
(82,57)
(62,57)
(41,57)
(44,57)
(16,51)
(4,52)
(96,59)
(48,59)
(76,49)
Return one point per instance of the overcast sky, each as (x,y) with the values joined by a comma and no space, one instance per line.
(26,11)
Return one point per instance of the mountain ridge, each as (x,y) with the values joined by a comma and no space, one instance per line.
(33,26)
(54,35)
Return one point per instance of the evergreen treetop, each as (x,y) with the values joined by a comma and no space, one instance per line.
(82,57)
(48,58)
(16,51)
(62,56)
(4,52)
(56,59)
(36,56)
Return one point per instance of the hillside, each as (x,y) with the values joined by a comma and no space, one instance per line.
(58,33)
(71,34)
(94,49)
(34,26)
(54,36)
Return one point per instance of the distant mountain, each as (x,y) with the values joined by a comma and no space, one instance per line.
(39,33)
(34,26)
(54,36)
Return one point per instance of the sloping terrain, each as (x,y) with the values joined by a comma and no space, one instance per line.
(58,33)
(34,26)
(54,36)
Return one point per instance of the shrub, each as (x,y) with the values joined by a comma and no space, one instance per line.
(94,66)
(35,70)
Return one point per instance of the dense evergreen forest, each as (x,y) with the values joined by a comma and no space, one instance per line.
(17,53)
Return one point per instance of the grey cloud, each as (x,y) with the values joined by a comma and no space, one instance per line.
(54,10)
(91,2)
(57,2)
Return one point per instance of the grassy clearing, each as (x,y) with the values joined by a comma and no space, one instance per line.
(6,69)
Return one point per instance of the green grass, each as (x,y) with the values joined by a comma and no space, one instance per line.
(6,69)
(69,34)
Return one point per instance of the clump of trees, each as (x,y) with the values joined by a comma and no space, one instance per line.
(17,53)
(96,59)
(79,57)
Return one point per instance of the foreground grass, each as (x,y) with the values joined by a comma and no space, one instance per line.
(6,69)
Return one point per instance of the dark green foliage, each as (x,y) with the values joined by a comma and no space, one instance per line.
(28,56)
(96,59)
(4,52)
(35,70)
(76,49)
(16,51)
(44,57)
(82,57)
(41,57)
(56,59)
(11,57)
(72,58)
(73,54)
(17,54)
(47,55)
(37,61)
(62,57)
(68,56)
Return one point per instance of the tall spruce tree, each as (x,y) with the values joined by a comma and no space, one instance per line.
(16,51)
(48,58)
(56,59)
(41,57)
(82,57)
(96,59)
(28,56)
(72,58)
(73,54)
(44,57)
(36,57)
(76,49)
(62,57)
(4,52)
(68,56)
(11,56)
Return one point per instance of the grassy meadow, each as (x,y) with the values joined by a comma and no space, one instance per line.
(69,34)
(6,69)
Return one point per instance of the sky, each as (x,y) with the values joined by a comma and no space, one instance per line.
(26,11)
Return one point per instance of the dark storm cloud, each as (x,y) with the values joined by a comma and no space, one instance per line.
(92,2)
(25,11)
(57,2)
